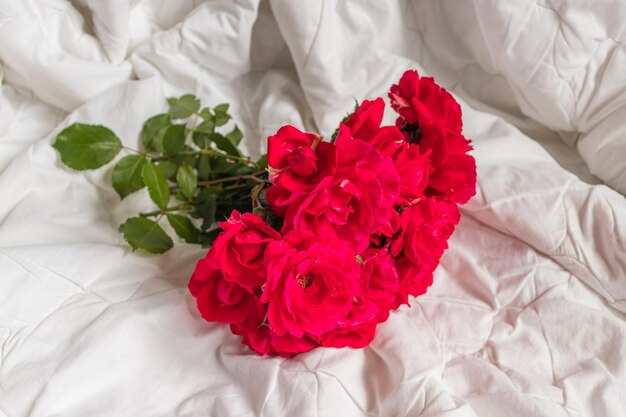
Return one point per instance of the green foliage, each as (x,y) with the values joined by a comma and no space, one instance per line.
(221,114)
(127,177)
(169,169)
(174,140)
(153,127)
(204,167)
(235,136)
(87,146)
(183,107)
(225,144)
(146,234)
(157,184)
(262,162)
(187,180)
(184,228)
(192,170)
(206,211)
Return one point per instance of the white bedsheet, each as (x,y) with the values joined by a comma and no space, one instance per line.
(527,316)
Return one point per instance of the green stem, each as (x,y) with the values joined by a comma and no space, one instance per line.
(184,206)
(234,178)
(206,152)
(133,150)
(210,152)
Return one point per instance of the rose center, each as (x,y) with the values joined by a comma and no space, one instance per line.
(304,280)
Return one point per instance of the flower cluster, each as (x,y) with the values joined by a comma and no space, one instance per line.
(365,221)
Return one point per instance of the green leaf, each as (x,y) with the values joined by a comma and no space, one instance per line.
(221,119)
(185,159)
(206,212)
(225,144)
(202,140)
(206,114)
(169,169)
(219,166)
(244,170)
(221,108)
(208,126)
(150,129)
(157,184)
(205,192)
(127,175)
(262,162)
(187,180)
(183,107)
(174,139)
(157,141)
(142,233)
(184,228)
(235,136)
(204,167)
(221,114)
(87,146)
(207,239)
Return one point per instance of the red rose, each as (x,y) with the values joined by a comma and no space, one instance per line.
(379,280)
(424,230)
(266,342)
(414,170)
(281,199)
(224,301)
(454,171)
(431,117)
(310,287)
(388,229)
(389,141)
(238,251)
(353,204)
(414,279)
(357,336)
(420,101)
(378,288)
(299,160)
(364,123)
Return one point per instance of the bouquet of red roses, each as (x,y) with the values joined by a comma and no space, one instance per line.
(323,239)
(347,230)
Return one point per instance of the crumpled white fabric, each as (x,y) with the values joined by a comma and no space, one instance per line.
(527,313)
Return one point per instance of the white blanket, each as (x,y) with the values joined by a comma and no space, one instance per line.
(527,316)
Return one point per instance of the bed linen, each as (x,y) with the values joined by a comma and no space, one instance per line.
(527,315)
